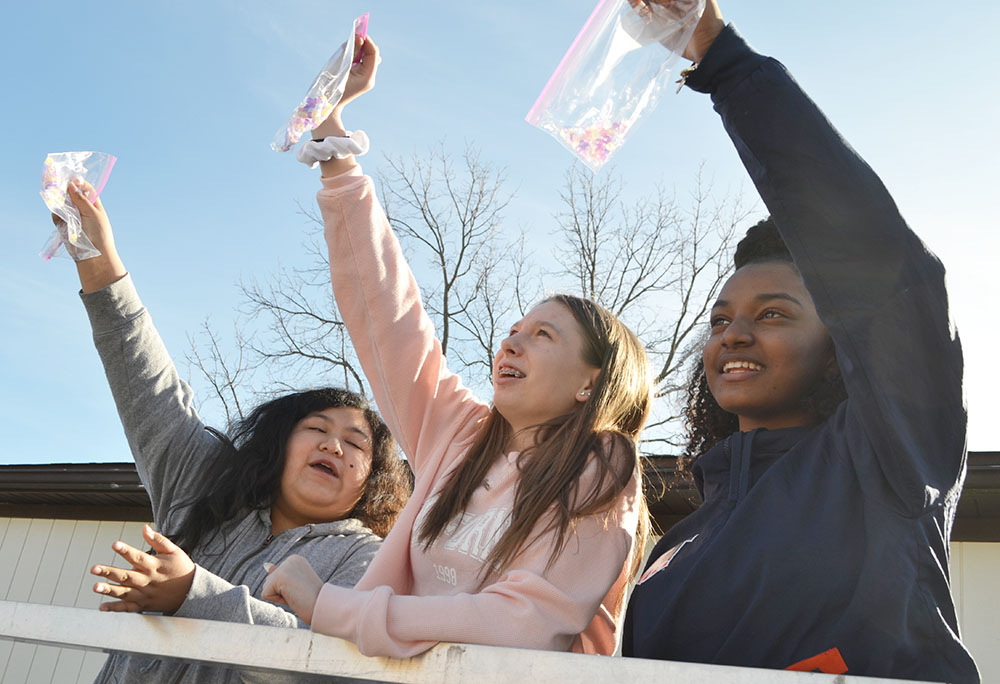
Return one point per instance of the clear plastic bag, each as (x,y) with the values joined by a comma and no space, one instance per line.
(323,95)
(613,74)
(58,170)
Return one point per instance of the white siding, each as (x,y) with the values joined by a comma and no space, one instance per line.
(975,584)
(48,561)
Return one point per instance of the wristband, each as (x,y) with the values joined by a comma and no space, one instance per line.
(333,147)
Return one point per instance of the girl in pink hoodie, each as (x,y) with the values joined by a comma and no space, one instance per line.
(527,516)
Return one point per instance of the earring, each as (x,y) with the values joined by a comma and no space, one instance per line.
(584,393)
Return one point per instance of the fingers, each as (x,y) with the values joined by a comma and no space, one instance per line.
(120,576)
(130,599)
(160,543)
(271,590)
(369,50)
(138,559)
(359,44)
(78,190)
(117,591)
(120,607)
(81,194)
(278,575)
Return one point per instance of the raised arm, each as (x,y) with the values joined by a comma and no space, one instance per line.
(164,432)
(381,305)
(393,337)
(877,288)
(359,81)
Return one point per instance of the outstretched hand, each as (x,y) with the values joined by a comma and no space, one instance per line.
(362,75)
(360,80)
(157,583)
(705,33)
(105,269)
(709,26)
(294,583)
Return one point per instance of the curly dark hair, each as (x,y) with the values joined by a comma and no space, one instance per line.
(245,472)
(706,422)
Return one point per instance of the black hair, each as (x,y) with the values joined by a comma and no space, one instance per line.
(761,244)
(706,422)
(245,471)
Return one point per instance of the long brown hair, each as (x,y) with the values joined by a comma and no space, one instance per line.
(604,431)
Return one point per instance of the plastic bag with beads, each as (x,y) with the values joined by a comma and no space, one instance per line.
(323,95)
(58,170)
(613,74)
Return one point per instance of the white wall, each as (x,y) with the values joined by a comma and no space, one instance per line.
(975,585)
(48,561)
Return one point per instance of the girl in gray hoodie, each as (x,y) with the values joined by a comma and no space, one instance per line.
(313,473)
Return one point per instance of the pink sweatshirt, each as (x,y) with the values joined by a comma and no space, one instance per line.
(410,599)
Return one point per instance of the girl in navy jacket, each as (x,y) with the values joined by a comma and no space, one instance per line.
(827,418)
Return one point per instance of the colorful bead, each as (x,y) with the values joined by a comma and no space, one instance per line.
(52,193)
(595,144)
(310,113)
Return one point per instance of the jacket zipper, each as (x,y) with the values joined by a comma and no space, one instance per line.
(239,566)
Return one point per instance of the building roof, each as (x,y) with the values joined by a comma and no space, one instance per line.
(112,491)
(80,491)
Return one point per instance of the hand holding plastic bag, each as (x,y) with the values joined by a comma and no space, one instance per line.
(613,74)
(57,171)
(323,95)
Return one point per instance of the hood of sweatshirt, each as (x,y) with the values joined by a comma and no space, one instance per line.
(732,466)
(345,527)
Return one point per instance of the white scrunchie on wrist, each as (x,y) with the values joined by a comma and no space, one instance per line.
(315,151)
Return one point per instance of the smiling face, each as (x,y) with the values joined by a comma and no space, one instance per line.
(539,373)
(768,348)
(328,458)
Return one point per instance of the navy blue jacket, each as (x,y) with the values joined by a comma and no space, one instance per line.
(825,548)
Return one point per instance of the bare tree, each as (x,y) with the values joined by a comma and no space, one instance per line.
(446,218)
(450,218)
(287,335)
(655,262)
(224,373)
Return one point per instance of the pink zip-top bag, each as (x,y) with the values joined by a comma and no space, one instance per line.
(324,93)
(58,170)
(613,74)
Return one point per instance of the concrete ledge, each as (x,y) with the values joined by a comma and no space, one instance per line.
(272,649)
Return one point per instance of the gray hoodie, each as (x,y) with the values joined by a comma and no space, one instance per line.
(169,444)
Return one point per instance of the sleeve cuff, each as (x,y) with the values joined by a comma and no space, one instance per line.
(204,586)
(113,305)
(338,611)
(728,61)
(344,179)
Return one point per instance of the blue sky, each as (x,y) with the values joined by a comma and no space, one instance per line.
(188,95)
